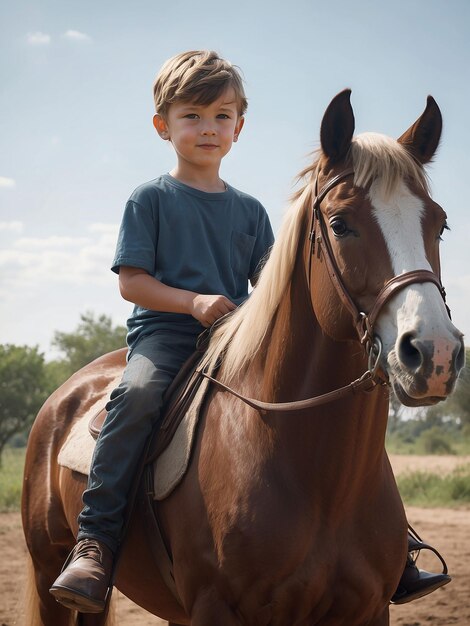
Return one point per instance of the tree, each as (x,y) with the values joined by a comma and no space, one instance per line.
(93,338)
(395,410)
(22,389)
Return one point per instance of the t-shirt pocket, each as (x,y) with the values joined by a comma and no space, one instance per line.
(242,249)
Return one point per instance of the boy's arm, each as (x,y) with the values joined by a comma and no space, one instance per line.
(137,286)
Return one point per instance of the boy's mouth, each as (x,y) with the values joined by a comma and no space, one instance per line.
(207,146)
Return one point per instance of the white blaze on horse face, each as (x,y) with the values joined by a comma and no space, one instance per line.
(417,313)
(399,218)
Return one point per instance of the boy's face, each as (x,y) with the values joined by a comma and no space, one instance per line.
(201,134)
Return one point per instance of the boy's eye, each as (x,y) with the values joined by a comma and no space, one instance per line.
(191,116)
(223,116)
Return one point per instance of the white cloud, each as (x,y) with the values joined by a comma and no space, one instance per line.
(7,183)
(41,263)
(56,278)
(38,39)
(100,227)
(76,35)
(50,243)
(13,227)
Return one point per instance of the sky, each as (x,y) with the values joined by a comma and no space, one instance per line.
(76,134)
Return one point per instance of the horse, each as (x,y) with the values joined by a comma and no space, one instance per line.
(289,514)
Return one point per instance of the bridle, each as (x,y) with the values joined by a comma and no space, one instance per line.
(363,322)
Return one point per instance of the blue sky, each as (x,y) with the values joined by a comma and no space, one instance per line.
(76,124)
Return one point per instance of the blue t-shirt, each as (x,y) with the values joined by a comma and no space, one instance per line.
(209,243)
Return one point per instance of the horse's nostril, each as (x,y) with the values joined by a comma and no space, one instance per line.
(408,354)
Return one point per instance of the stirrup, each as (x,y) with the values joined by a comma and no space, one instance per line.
(416,544)
(415,583)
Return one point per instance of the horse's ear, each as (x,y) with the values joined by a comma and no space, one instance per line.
(337,127)
(422,138)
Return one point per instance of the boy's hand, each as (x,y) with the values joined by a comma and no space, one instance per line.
(208,309)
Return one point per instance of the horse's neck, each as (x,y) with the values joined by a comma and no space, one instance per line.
(302,362)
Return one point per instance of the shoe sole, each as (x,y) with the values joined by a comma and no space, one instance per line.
(77,601)
(421,593)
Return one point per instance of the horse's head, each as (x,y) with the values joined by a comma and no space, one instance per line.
(375,224)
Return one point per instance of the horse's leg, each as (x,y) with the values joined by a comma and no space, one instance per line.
(41,609)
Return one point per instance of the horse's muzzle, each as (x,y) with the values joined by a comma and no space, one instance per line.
(424,371)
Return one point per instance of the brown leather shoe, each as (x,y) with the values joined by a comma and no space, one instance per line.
(83,584)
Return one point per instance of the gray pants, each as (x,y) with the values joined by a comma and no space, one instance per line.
(133,409)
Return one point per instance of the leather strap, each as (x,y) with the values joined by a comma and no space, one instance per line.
(319,197)
(158,547)
(333,271)
(366,382)
(397,283)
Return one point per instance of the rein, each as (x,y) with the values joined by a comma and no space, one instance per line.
(367,382)
(363,322)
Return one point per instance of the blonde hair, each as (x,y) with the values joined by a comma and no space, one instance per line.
(198,76)
(238,339)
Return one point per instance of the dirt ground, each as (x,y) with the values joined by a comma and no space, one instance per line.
(448,530)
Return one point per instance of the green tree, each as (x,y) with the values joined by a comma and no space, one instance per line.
(395,410)
(23,389)
(93,337)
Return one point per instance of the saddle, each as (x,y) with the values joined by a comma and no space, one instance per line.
(176,402)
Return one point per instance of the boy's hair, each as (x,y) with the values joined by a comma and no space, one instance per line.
(198,76)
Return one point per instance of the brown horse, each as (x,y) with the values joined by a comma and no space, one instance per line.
(289,515)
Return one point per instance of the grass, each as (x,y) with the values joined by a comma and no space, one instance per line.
(431,441)
(417,488)
(11,477)
(434,490)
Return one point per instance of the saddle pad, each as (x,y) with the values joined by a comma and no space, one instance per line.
(77,450)
(171,465)
(169,468)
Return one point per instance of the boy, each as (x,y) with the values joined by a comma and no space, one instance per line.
(187,247)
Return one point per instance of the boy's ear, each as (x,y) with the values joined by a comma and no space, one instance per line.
(161,127)
(238,128)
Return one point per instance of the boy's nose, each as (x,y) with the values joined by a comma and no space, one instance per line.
(208,130)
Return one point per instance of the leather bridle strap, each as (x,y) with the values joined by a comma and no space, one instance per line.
(364,323)
(366,382)
(319,197)
(397,283)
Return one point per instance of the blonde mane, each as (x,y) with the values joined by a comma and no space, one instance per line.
(241,335)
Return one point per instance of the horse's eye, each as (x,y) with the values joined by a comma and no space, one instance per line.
(444,227)
(338,226)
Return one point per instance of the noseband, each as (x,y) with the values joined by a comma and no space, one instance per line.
(363,322)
